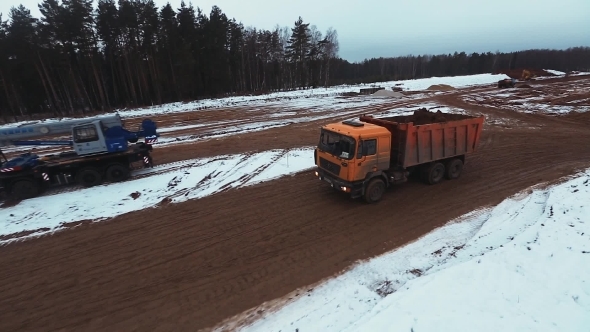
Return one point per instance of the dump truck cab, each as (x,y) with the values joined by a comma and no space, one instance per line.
(349,153)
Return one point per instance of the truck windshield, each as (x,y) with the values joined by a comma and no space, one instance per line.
(336,144)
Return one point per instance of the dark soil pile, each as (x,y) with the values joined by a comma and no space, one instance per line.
(440,87)
(517,73)
(424,116)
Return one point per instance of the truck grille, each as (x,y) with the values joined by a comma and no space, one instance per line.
(330,166)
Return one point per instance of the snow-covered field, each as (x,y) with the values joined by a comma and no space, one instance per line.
(312,94)
(522,265)
(171,183)
(300,98)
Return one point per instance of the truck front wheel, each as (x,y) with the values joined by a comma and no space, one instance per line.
(374,190)
(23,189)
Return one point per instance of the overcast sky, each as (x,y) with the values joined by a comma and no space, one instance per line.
(391,28)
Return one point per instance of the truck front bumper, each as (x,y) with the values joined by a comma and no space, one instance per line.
(355,189)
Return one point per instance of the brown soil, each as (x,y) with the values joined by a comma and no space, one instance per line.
(517,72)
(440,87)
(182,267)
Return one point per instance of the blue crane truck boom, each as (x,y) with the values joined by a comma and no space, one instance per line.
(100,151)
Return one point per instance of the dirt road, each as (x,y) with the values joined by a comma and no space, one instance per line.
(188,266)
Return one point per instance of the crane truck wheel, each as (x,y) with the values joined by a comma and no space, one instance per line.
(117,173)
(89,177)
(374,190)
(434,173)
(454,169)
(23,189)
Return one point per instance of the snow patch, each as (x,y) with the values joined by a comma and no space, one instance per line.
(554,72)
(173,183)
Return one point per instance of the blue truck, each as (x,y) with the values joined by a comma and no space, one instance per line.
(101,150)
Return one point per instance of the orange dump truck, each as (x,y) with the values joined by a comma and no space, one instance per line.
(364,158)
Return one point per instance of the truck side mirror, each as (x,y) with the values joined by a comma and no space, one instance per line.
(359,150)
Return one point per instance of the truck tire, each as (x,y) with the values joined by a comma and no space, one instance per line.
(117,173)
(374,190)
(23,189)
(434,173)
(454,168)
(89,177)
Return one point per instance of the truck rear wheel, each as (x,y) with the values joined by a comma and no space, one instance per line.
(23,189)
(89,177)
(374,190)
(434,173)
(117,172)
(454,169)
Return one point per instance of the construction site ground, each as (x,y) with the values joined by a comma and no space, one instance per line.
(189,266)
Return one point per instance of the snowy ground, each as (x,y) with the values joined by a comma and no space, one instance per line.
(171,183)
(407,85)
(300,98)
(520,266)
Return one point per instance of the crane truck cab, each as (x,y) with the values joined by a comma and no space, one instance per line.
(95,137)
(350,154)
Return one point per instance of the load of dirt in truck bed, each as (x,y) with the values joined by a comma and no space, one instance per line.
(423,116)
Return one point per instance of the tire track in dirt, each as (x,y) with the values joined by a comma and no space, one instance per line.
(141,173)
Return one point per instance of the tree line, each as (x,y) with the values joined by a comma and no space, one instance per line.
(412,67)
(76,59)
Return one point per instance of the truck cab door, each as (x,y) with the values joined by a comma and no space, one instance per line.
(366,158)
(88,139)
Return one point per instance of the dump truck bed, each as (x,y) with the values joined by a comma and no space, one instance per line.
(427,136)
